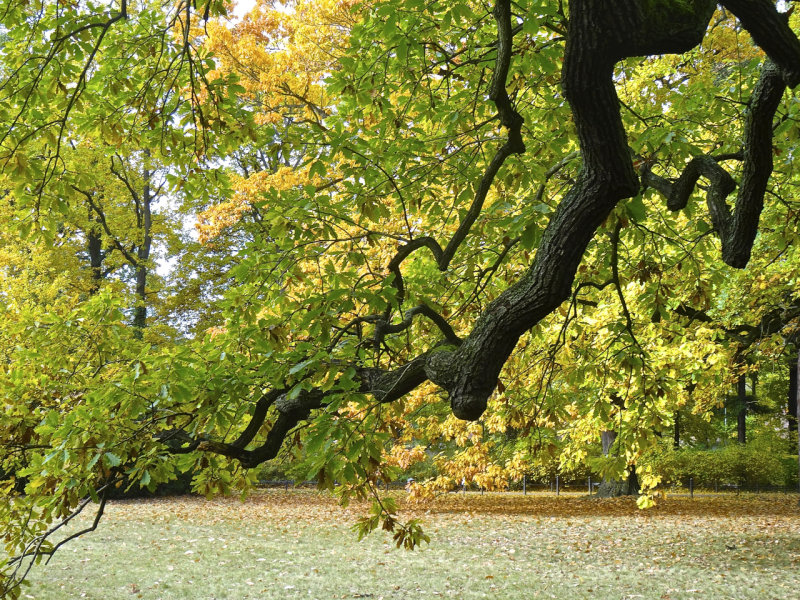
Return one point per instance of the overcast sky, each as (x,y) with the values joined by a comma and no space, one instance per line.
(242,7)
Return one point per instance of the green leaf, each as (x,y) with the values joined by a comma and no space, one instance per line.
(530,235)
(636,209)
(300,366)
(112,459)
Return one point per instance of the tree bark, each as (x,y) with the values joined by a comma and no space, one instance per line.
(771,32)
(629,486)
(600,35)
(94,246)
(145,219)
(741,417)
(737,229)
(611,488)
(791,413)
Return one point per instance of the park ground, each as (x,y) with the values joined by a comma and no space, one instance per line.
(300,544)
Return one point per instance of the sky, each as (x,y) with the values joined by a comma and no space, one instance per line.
(242,7)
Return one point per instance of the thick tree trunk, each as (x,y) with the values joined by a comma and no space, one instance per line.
(792,414)
(140,310)
(676,433)
(741,417)
(611,488)
(143,255)
(94,246)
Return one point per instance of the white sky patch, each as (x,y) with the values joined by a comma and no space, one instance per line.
(242,7)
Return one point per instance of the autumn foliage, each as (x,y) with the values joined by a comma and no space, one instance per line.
(361,242)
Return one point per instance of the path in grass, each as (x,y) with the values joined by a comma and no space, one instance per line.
(298,544)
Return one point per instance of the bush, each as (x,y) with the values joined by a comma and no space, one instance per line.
(274,471)
(179,486)
(759,464)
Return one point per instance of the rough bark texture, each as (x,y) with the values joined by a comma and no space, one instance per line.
(611,488)
(791,412)
(600,34)
(736,229)
(757,166)
(741,416)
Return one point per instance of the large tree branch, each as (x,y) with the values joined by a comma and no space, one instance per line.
(757,166)
(384,385)
(257,418)
(746,335)
(465,373)
(737,229)
(771,31)
(600,35)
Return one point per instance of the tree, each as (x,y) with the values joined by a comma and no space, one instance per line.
(791,411)
(131,190)
(796,369)
(438,215)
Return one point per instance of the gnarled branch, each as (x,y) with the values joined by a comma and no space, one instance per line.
(384,385)
(737,229)
(600,35)
(770,30)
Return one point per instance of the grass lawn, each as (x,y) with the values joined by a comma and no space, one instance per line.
(298,544)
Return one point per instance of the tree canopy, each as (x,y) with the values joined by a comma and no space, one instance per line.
(482,234)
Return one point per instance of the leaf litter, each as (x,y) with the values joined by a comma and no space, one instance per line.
(298,543)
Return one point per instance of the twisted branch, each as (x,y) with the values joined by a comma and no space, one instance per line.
(737,229)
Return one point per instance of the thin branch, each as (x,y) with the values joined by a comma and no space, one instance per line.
(427,311)
(615,278)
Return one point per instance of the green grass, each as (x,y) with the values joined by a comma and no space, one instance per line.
(299,545)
